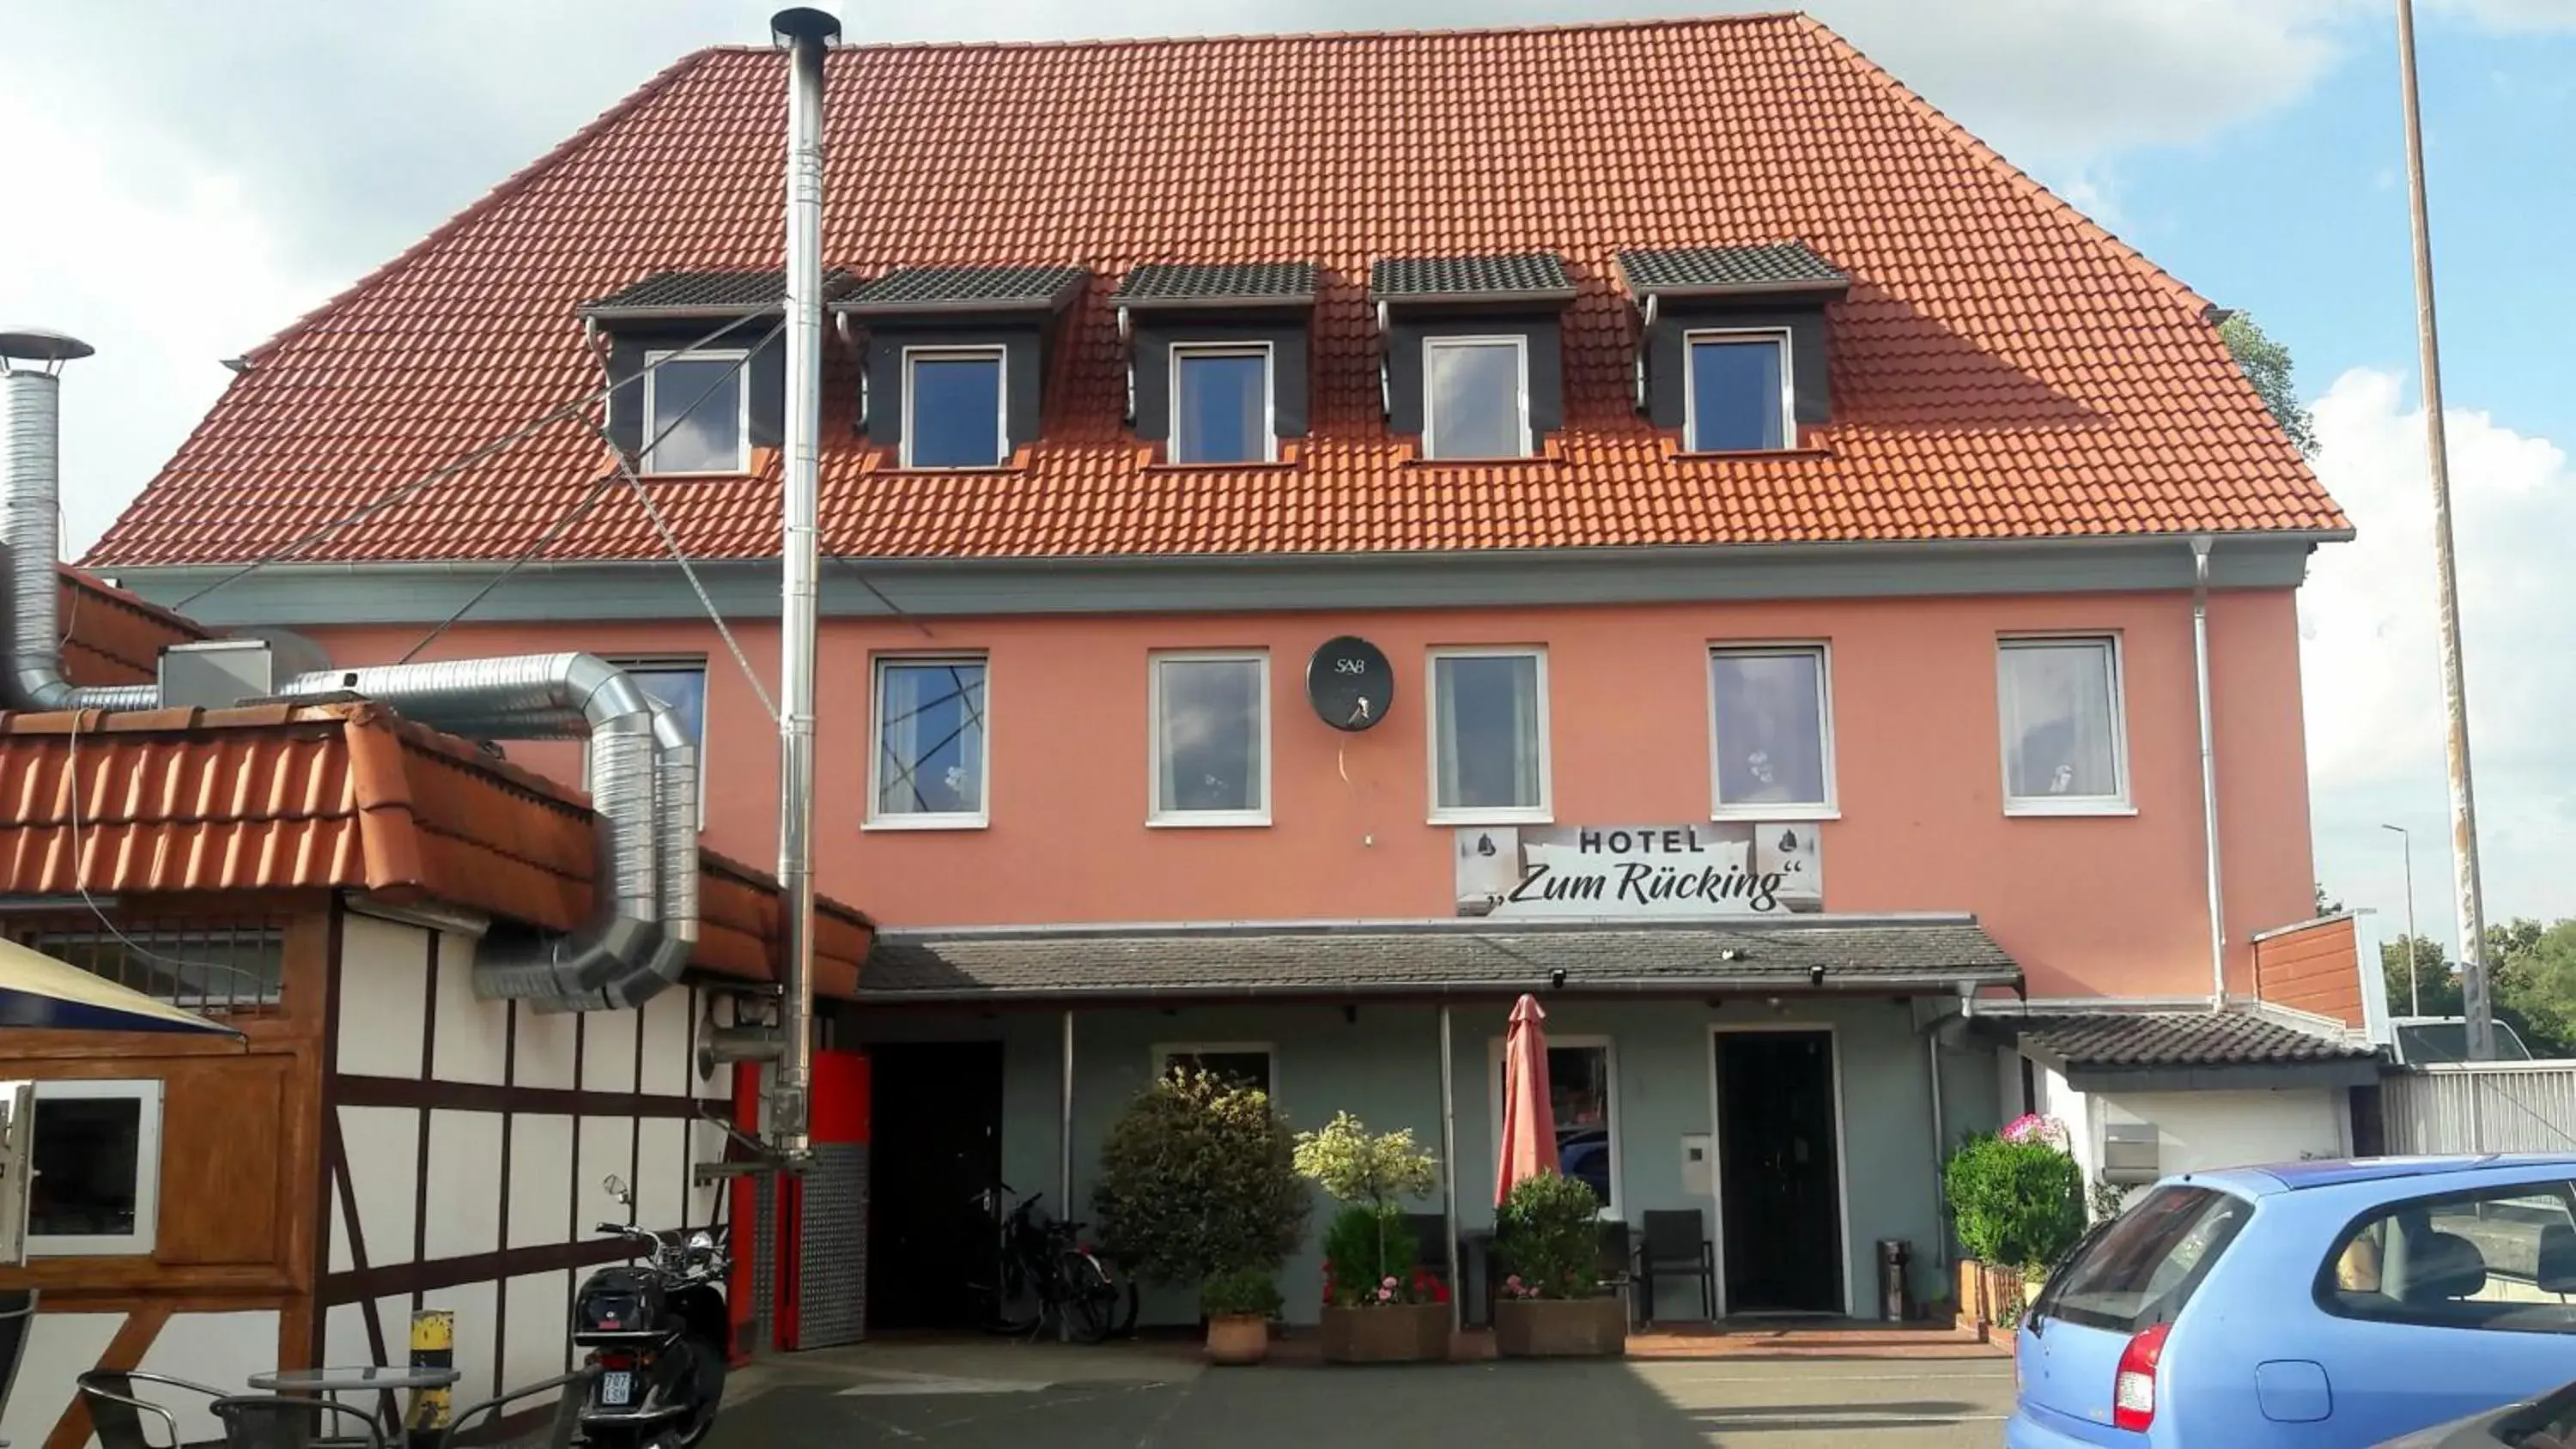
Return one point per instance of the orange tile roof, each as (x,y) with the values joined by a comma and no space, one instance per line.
(335,796)
(2003,367)
(113,637)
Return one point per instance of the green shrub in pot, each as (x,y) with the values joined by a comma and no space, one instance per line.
(1197,1180)
(1548,1232)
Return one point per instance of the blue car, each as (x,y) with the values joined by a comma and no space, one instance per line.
(2306,1305)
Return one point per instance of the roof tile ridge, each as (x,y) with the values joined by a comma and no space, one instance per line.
(1238,37)
(2136,260)
(475,210)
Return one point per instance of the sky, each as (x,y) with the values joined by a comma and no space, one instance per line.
(180,181)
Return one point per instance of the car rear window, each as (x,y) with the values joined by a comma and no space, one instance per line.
(2145,1266)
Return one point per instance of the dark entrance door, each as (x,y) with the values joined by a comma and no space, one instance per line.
(1776,1187)
(936,1147)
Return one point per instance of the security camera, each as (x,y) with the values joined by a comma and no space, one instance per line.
(1815,976)
(1556,978)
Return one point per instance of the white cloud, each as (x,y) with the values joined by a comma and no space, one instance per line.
(2371,664)
(2513,15)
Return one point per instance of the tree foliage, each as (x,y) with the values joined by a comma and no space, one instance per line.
(2531,972)
(1350,1165)
(1198,1179)
(2267,365)
(1549,1234)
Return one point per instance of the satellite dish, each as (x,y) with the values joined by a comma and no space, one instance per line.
(1350,684)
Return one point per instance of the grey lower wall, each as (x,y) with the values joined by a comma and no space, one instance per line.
(1384,1068)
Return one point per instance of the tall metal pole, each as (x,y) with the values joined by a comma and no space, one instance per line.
(808,32)
(2464,810)
(1449,1176)
(2414,987)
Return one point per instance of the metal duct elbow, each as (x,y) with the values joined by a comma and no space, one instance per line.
(640,765)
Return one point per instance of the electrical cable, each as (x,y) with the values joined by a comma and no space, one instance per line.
(555,530)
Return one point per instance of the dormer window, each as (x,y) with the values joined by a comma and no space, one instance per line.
(1471,351)
(1221,404)
(1733,348)
(697,411)
(955,357)
(1217,357)
(1740,399)
(954,415)
(694,387)
(1475,397)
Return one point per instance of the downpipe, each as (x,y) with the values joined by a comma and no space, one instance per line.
(2200,547)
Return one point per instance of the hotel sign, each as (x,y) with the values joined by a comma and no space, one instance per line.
(1730,868)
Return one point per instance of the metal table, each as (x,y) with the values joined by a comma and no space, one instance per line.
(371,1379)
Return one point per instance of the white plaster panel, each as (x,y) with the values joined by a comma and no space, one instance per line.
(384,971)
(344,1332)
(545,1050)
(472,1041)
(221,1349)
(608,1051)
(540,1179)
(477,1308)
(60,1347)
(533,1323)
(607,1145)
(661,1172)
(2201,1131)
(706,1144)
(667,1042)
(383,1144)
(464,1199)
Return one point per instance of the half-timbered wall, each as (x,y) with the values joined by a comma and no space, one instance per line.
(465,1143)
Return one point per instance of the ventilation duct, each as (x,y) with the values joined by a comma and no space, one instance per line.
(642,771)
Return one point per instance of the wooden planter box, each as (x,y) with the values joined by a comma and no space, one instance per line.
(1990,1297)
(1561,1327)
(1238,1338)
(1396,1333)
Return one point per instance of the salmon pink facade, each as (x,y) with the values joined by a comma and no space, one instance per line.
(2090,906)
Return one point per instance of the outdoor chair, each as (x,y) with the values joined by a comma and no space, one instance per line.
(117,1411)
(559,1428)
(17,1325)
(1617,1270)
(1676,1247)
(1430,1244)
(276,1421)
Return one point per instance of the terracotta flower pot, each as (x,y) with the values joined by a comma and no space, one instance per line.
(1561,1327)
(1238,1338)
(1394,1333)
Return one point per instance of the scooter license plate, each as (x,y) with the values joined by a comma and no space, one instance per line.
(617,1388)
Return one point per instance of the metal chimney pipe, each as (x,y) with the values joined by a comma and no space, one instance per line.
(808,33)
(31,361)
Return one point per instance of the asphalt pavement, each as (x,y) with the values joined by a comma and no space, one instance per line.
(1148,1402)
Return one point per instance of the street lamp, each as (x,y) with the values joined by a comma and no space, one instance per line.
(2414,989)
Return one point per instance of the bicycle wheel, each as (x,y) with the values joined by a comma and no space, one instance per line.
(1088,1297)
(1005,1305)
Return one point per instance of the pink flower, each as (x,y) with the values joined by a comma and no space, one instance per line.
(1513,1281)
(1383,1294)
(1390,1281)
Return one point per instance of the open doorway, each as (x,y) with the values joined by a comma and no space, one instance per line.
(936,1148)
(1779,1190)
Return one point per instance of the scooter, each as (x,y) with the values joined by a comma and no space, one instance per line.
(658,1334)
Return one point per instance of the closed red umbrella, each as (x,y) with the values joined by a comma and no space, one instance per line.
(1529,1121)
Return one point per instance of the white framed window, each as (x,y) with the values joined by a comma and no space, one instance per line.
(1771,731)
(933,745)
(96,1152)
(1583,1096)
(1738,394)
(1211,738)
(1489,736)
(1252,1064)
(1475,397)
(1222,403)
(956,408)
(678,683)
(703,399)
(2065,738)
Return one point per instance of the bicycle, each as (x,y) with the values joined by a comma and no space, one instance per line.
(1041,1271)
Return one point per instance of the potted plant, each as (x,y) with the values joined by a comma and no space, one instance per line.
(1379,1305)
(2017,1202)
(1199,1189)
(1239,1306)
(1548,1234)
